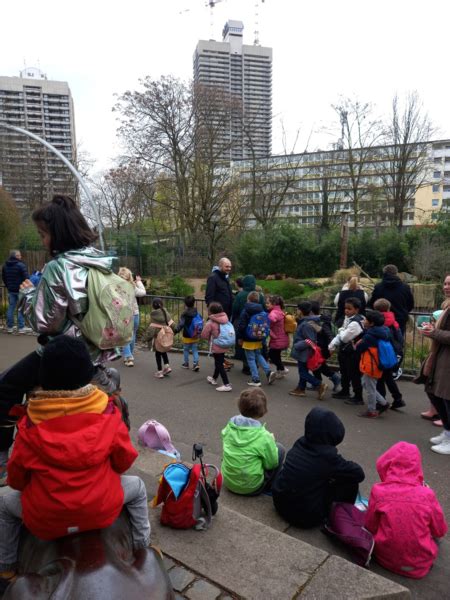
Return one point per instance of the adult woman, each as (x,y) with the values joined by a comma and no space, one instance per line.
(139,292)
(351,289)
(437,368)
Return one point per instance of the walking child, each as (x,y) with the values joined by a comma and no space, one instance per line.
(324,337)
(159,318)
(279,339)
(191,323)
(219,331)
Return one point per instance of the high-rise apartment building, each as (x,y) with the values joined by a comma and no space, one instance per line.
(27,169)
(245,73)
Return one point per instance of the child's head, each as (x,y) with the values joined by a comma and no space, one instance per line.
(253,297)
(189,301)
(382,305)
(157,303)
(61,226)
(65,364)
(252,403)
(275,300)
(352,307)
(215,308)
(373,318)
(304,308)
(125,274)
(322,426)
(315,307)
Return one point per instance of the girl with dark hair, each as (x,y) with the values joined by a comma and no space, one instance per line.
(159,318)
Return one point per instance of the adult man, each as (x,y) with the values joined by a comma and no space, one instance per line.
(14,272)
(218,288)
(398,293)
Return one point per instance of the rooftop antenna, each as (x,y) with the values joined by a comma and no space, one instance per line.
(257,7)
(212,4)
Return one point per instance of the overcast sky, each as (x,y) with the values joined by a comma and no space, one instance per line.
(321,49)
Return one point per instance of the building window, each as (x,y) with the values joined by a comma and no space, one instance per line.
(436,174)
(435,188)
(435,202)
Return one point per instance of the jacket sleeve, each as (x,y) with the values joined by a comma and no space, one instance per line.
(372,515)
(46,306)
(441,336)
(438,524)
(123,454)
(242,325)
(139,290)
(269,452)
(23,272)
(308,333)
(18,474)
(350,333)
(206,331)
(181,324)
(210,290)
(347,470)
(366,343)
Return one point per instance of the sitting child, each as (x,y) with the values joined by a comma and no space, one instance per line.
(251,457)
(314,474)
(189,343)
(70,450)
(404,514)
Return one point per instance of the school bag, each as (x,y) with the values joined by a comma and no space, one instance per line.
(163,342)
(315,360)
(368,363)
(387,358)
(226,337)
(258,327)
(195,327)
(109,320)
(154,435)
(346,523)
(396,339)
(290,324)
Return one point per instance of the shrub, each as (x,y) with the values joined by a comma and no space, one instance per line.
(177,286)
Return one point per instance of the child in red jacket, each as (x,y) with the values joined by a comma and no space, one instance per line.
(70,450)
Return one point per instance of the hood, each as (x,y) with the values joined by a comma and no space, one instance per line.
(217,270)
(91,257)
(242,421)
(313,318)
(391,281)
(242,435)
(253,308)
(389,319)
(12,260)
(381,332)
(322,426)
(401,463)
(249,283)
(220,318)
(158,315)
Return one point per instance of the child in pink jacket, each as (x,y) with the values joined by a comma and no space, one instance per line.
(279,339)
(211,331)
(404,514)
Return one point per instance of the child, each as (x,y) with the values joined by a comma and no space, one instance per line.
(139,292)
(159,317)
(404,514)
(350,332)
(68,456)
(279,339)
(324,337)
(396,339)
(307,329)
(367,346)
(314,475)
(216,317)
(253,348)
(251,457)
(189,343)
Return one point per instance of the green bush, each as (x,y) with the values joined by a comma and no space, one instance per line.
(177,286)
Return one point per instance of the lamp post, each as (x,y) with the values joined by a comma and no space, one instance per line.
(68,164)
(344,238)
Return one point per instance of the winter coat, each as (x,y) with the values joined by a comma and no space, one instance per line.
(372,336)
(67,461)
(248,285)
(351,330)
(250,309)
(279,339)
(301,489)
(159,316)
(248,450)
(139,292)
(399,295)
(218,289)
(211,330)
(307,329)
(438,382)
(184,323)
(14,272)
(404,515)
(342,297)
(62,293)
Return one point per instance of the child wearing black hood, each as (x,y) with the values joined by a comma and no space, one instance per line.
(314,474)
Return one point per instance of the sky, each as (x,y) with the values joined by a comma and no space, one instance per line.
(322,49)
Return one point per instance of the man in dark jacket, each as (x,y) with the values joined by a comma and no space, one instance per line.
(314,474)
(14,272)
(218,288)
(398,293)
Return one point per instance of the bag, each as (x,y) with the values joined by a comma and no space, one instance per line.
(184,494)
(258,327)
(396,339)
(387,358)
(153,434)
(227,336)
(290,324)
(316,359)
(346,523)
(163,342)
(368,363)
(109,320)
(195,327)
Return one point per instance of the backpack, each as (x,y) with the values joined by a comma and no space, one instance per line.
(368,363)
(387,358)
(258,327)
(227,336)
(290,324)
(346,523)
(153,434)
(316,359)
(324,337)
(163,341)
(189,500)
(109,320)
(195,327)
(396,339)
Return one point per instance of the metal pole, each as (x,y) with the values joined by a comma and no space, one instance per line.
(69,165)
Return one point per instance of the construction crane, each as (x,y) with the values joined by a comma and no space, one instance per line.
(212,4)
(257,8)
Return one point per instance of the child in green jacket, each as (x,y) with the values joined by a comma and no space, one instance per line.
(251,457)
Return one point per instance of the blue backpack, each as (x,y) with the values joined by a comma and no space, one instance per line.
(387,359)
(227,336)
(258,327)
(195,327)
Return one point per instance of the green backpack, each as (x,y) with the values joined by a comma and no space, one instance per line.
(109,320)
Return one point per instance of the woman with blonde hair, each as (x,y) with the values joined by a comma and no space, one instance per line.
(351,289)
(139,291)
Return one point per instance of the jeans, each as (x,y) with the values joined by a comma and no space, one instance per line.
(370,385)
(306,377)
(255,359)
(219,368)
(186,349)
(13,298)
(127,351)
(134,498)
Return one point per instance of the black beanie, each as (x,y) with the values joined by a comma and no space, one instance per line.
(65,364)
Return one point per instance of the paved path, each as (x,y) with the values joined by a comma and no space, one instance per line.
(193,411)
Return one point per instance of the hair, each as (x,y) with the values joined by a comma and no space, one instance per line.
(189,301)
(390,269)
(382,305)
(353,283)
(14,253)
(157,303)
(66,226)
(253,296)
(239,282)
(305,307)
(375,317)
(315,307)
(355,302)
(126,274)
(277,300)
(252,403)
(215,308)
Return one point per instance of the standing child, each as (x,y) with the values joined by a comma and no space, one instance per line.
(404,514)
(192,324)
(159,318)
(253,328)
(324,337)
(251,457)
(279,339)
(212,332)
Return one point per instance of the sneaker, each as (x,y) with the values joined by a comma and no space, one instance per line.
(400,403)
(224,388)
(352,401)
(25,330)
(341,395)
(285,371)
(397,374)
(297,392)
(167,370)
(196,367)
(254,383)
(130,362)
(279,375)
(437,439)
(185,366)
(10,329)
(322,389)
(159,375)
(381,408)
(271,377)
(438,423)
(369,414)
(211,380)
(443,447)
(430,415)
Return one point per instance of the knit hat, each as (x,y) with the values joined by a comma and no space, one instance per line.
(65,364)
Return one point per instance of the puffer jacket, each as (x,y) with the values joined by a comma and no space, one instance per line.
(404,515)
(211,330)
(14,272)
(279,339)
(307,329)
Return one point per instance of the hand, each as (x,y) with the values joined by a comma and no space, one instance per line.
(426,329)
(26,284)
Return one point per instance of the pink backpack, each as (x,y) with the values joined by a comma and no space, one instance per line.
(153,434)
(346,523)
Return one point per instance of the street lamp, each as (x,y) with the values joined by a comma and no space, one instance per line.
(344,237)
